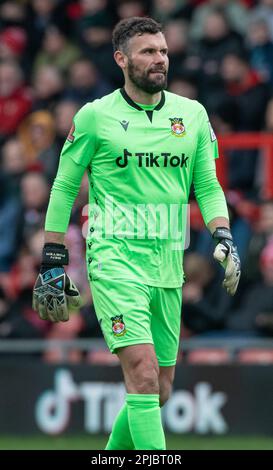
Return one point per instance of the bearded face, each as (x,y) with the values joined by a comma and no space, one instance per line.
(147,62)
(151,80)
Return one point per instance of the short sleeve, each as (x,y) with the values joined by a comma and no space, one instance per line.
(207,142)
(80,144)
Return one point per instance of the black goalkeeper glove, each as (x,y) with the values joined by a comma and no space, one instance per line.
(227,255)
(54,293)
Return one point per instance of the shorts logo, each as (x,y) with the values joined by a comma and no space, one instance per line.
(70,136)
(118,326)
(177,126)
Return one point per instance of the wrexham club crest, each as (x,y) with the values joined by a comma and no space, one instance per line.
(118,326)
(177,126)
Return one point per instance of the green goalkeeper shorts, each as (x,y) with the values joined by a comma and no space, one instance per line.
(133,313)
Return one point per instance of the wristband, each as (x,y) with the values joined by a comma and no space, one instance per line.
(55,254)
(222,233)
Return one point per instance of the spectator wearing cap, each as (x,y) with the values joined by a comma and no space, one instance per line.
(13,41)
(14,44)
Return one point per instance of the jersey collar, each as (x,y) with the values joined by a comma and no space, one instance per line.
(136,106)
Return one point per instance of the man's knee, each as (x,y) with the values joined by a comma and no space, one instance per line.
(146,377)
(141,372)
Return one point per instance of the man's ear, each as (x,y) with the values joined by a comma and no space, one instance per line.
(121,59)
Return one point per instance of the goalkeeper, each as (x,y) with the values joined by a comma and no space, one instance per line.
(141,147)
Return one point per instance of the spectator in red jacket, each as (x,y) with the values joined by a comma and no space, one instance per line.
(15,98)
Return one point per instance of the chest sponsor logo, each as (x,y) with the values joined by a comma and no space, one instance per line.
(152,159)
(177,127)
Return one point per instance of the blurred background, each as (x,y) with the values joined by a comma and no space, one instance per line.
(56,55)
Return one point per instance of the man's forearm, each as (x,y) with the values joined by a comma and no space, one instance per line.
(54,237)
(209,194)
(218,222)
(63,193)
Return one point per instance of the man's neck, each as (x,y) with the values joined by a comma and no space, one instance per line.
(140,96)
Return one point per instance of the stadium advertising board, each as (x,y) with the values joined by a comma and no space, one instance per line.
(217,400)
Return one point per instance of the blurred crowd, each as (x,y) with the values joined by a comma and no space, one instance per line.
(56,55)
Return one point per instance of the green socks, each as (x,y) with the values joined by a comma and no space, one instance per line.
(138,425)
(120,438)
(144,419)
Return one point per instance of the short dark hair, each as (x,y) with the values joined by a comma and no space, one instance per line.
(129,27)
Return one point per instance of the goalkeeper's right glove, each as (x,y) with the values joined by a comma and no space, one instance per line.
(54,293)
(226,253)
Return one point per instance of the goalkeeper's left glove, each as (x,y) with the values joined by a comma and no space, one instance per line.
(226,253)
(54,292)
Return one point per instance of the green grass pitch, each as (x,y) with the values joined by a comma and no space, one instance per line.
(174,442)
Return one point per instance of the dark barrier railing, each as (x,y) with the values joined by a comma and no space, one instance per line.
(22,346)
(245,140)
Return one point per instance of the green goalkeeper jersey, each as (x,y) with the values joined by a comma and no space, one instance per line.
(141,161)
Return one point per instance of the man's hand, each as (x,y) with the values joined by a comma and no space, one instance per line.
(54,293)
(227,255)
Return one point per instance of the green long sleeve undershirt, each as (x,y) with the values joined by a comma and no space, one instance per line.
(208,193)
(63,194)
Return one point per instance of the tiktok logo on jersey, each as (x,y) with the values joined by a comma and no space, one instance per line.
(150,159)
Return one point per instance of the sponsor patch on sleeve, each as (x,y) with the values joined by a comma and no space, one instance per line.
(212,133)
(71,136)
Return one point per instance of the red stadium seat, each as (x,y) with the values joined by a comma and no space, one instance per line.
(209,356)
(255,356)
